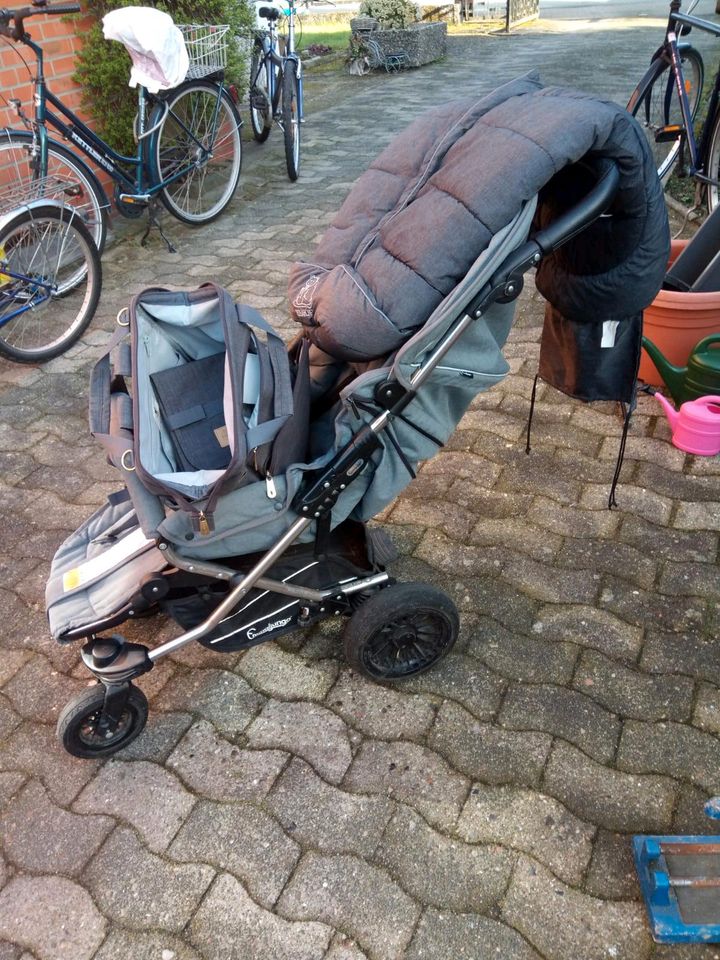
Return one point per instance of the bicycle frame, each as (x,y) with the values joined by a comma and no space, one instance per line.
(133,187)
(270,57)
(47,289)
(5,295)
(671,51)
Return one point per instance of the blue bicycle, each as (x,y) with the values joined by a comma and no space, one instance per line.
(276,84)
(50,274)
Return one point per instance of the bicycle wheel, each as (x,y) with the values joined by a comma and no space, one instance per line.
(713,166)
(655,104)
(201,136)
(50,280)
(260,105)
(291,119)
(18,165)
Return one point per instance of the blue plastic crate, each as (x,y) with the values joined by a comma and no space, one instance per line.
(680,881)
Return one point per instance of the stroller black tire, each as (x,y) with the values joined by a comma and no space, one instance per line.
(401,631)
(75,724)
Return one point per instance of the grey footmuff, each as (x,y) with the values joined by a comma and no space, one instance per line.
(417,219)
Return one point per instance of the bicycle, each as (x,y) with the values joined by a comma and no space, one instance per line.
(50,274)
(666,102)
(188,138)
(276,85)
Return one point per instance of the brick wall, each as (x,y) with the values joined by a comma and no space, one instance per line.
(60,39)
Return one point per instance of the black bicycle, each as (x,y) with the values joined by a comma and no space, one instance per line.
(276,84)
(666,102)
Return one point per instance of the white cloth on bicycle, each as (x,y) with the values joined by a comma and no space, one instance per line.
(156,46)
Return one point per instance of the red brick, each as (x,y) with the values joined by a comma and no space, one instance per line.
(59,47)
(63,67)
(56,27)
(8,79)
(72,98)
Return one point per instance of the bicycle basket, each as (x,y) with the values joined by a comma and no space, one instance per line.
(206,46)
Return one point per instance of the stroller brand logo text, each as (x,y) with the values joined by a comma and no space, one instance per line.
(252,632)
(302,304)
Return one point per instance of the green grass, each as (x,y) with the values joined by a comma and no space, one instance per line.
(682,189)
(335,35)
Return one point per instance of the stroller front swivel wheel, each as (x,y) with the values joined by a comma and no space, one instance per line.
(401,631)
(82,729)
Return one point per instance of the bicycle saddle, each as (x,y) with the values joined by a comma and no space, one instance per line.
(269,13)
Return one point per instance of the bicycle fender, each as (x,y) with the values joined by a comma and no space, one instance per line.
(31,205)
(660,52)
(297,61)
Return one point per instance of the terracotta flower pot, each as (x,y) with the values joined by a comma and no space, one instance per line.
(676,322)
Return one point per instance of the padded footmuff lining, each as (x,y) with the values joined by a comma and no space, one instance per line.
(98,569)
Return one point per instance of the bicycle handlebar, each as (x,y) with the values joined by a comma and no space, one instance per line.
(18,14)
(62,8)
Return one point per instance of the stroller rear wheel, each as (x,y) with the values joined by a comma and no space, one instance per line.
(82,732)
(401,631)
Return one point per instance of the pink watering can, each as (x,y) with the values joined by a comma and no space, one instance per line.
(695,426)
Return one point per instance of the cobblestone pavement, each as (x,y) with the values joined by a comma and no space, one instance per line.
(278,807)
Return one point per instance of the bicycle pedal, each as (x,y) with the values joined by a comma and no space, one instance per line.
(668,134)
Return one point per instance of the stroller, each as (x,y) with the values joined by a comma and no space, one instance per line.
(277,550)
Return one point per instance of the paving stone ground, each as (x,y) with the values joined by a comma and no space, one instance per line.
(278,806)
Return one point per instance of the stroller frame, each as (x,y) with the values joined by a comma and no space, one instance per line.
(115,662)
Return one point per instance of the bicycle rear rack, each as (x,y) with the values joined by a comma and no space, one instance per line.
(50,188)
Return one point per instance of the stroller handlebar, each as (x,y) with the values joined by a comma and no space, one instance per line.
(575,220)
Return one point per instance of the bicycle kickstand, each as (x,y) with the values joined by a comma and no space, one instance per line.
(154,221)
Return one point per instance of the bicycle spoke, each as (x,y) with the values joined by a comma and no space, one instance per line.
(40,313)
(200,142)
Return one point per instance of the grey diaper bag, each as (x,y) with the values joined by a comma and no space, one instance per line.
(198,400)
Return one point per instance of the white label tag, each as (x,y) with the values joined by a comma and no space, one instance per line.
(133,543)
(608,334)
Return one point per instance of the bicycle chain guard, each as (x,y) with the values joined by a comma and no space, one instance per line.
(131,211)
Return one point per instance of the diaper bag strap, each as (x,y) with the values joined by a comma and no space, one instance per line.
(108,403)
(276,396)
(110,422)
